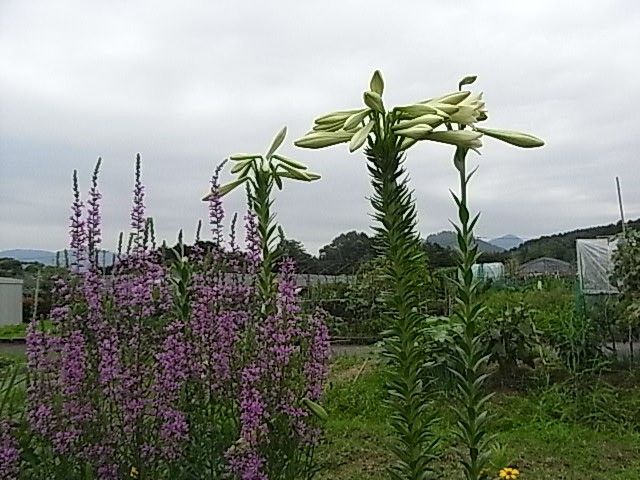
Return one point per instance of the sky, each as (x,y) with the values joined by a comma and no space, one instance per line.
(187,83)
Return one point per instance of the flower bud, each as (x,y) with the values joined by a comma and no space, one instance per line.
(360,137)
(354,120)
(518,139)
(333,117)
(417,132)
(323,139)
(468,80)
(290,162)
(373,100)
(377,83)
(429,119)
(277,141)
(316,409)
(239,157)
(463,138)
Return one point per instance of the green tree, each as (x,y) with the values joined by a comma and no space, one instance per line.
(346,253)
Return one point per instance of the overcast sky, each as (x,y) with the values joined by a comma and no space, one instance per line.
(188,83)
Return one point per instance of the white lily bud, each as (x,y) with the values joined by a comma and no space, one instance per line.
(453,98)
(323,139)
(354,120)
(377,83)
(277,141)
(336,116)
(407,143)
(463,138)
(329,127)
(240,157)
(417,110)
(518,139)
(241,166)
(417,132)
(445,107)
(360,137)
(429,119)
(290,162)
(373,100)
(227,187)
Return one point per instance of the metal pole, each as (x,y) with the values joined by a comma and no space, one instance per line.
(620,205)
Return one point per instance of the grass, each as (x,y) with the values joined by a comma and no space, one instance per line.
(540,430)
(13,332)
(548,432)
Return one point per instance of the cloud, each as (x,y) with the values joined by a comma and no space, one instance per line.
(188,84)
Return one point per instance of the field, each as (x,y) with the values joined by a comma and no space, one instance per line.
(538,430)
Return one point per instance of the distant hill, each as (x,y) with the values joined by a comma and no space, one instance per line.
(447,239)
(45,257)
(507,242)
(563,245)
(24,255)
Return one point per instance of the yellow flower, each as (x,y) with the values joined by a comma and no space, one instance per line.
(509,473)
(133,473)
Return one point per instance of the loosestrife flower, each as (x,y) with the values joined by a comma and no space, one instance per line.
(9,453)
(121,375)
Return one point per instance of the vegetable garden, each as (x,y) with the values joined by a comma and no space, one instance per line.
(208,361)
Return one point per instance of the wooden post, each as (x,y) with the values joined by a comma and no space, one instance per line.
(34,312)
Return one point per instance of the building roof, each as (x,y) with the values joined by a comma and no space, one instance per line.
(10,281)
(546,265)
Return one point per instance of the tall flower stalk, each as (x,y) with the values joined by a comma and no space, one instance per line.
(395,213)
(388,134)
(469,363)
(276,440)
(470,359)
(261,173)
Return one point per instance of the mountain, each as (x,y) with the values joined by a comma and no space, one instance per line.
(447,239)
(24,255)
(507,242)
(563,245)
(45,257)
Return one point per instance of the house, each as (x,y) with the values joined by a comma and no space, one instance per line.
(546,267)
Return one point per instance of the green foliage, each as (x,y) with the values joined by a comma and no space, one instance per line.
(346,253)
(512,338)
(357,308)
(13,332)
(627,276)
(541,430)
(294,249)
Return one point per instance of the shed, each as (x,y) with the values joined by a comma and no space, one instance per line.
(10,301)
(546,266)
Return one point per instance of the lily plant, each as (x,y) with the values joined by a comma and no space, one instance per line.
(469,365)
(260,173)
(388,133)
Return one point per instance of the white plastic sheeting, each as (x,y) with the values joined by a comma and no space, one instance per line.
(595,265)
(488,271)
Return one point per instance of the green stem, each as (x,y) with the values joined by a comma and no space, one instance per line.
(470,360)
(261,202)
(396,216)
